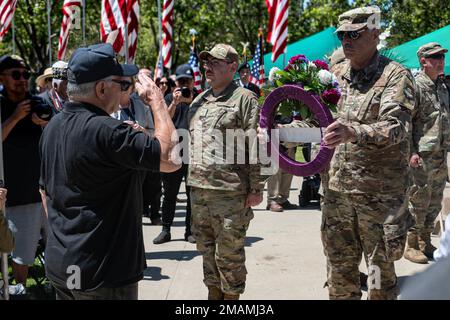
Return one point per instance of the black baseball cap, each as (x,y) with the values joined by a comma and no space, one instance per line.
(184,71)
(244,65)
(10,62)
(96,62)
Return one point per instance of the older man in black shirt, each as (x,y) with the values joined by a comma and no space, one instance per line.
(91,178)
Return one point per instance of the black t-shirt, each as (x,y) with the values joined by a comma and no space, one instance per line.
(92,171)
(21,161)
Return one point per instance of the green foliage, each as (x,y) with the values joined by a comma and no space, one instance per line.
(231,21)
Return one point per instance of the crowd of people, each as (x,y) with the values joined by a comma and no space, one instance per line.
(97,149)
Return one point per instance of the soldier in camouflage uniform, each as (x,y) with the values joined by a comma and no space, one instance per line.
(364,205)
(222,194)
(430,140)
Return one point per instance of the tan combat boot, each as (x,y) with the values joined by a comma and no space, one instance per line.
(230,296)
(425,244)
(412,252)
(214,293)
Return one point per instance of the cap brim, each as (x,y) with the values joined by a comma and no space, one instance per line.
(437,50)
(204,55)
(351,27)
(129,70)
(40,81)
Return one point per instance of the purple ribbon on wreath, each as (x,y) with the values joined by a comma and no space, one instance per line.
(323,116)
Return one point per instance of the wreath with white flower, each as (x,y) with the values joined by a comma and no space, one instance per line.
(309,91)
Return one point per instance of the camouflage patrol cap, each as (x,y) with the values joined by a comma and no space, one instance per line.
(221,51)
(429,49)
(356,19)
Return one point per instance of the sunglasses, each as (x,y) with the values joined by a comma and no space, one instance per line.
(163,83)
(16,75)
(124,85)
(214,63)
(352,35)
(437,56)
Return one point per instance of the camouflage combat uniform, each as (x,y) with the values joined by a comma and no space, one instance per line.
(365,190)
(431,131)
(219,191)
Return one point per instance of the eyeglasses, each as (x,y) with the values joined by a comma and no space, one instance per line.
(124,85)
(352,35)
(16,75)
(437,56)
(213,63)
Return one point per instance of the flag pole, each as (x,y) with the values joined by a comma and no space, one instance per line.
(159,34)
(126,42)
(84,22)
(126,34)
(155,74)
(4,256)
(14,36)
(49,29)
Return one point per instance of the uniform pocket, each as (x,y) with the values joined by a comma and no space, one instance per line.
(217,118)
(365,112)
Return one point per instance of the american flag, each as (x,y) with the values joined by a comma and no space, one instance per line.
(278,26)
(167,25)
(257,72)
(115,14)
(70,12)
(133,28)
(7,8)
(195,65)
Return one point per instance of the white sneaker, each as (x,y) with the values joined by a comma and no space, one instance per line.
(18,289)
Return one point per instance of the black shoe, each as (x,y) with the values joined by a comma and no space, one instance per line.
(289,206)
(189,238)
(164,236)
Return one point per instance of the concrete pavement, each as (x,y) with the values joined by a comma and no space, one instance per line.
(285,259)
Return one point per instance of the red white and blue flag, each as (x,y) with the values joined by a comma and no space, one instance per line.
(7,9)
(70,10)
(116,14)
(167,29)
(195,65)
(257,71)
(277,32)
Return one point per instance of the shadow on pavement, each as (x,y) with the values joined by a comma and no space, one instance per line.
(154,274)
(180,255)
(401,280)
(249,241)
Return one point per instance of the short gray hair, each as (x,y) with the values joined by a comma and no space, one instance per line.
(83,89)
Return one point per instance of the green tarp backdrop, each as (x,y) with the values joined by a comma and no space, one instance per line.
(406,53)
(313,47)
(322,44)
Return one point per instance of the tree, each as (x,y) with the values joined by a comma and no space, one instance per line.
(32,32)
(228,21)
